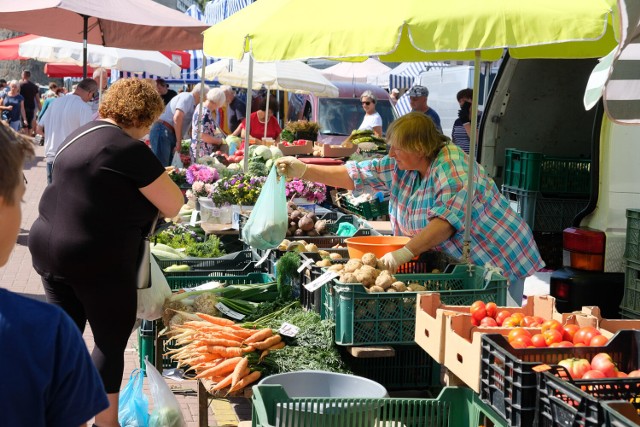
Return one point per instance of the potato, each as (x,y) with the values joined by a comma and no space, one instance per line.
(352,265)
(295,246)
(348,278)
(336,267)
(399,286)
(365,277)
(376,289)
(323,253)
(384,280)
(321,226)
(311,247)
(323,263)
(390,289)
(369,270)
(370,259)
(305,223)
(416,287)
(335,256)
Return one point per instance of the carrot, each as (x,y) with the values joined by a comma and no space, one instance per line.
(252,377)
(215,320)
(260,335)
(219,341)
(226,381)
(277,346)
(239,369)
(223,367)
(263,345)
(226,352)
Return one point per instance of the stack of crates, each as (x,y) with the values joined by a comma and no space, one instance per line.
(548,192)
(630,306)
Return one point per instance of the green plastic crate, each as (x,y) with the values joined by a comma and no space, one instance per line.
(410,369)
(454,407)
(368,210)
(620,413)
(364,318)
(182,282)
(630,304)
(632,245)
(552,176)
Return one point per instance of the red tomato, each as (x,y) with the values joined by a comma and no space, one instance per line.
(474,321)
(598,341)
(585,334)
(552,336)
(518,316)
(576,367)
(552,324)
(501,315)
(592,375)
(488,321)
(511,322)
(517,344)
(569,332)
(565,344)
(528,321)
(538,341)
(492,309)
(523,339)
(518,331)
(622,374)
(478,310)
(602,362)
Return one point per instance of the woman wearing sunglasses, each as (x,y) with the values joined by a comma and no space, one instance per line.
(372,119)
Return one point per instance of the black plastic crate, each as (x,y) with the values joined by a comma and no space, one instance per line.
(510,385)
(410,369)
(620,414)
(550,247)
(567,402)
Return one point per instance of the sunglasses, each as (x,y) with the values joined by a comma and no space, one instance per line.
(366,102)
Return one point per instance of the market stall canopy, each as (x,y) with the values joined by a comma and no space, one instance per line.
(53,50)
(617,77)
(127,24)
(402,76)
(9,47)
(291,76)
(416,30)
(355,72)
(66,70)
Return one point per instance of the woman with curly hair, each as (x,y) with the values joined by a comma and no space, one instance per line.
(107,190)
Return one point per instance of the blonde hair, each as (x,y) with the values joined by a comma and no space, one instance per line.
(415,132)
(14,149)
(132,103)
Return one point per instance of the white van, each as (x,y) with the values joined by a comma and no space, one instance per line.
(535,106)
(338,116)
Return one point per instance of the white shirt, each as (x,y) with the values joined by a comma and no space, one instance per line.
(63,116)
(370,121)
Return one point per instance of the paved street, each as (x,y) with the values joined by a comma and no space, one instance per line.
(18,276)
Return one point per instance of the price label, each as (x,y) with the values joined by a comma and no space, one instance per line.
(288,329)
(264,258)
(194,217)
(228,312)
(304,265)
(324,278)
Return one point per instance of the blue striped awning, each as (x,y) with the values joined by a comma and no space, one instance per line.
(403,76)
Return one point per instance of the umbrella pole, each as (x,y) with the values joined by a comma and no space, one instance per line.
(85,32)
(247,122)
(200,107)
(266,114)
(466,250)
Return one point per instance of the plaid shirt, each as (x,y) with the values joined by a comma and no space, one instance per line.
(499,236)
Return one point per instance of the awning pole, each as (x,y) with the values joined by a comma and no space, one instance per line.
(247,122)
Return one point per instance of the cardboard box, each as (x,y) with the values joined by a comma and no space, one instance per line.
(609,327)
(462,340)
(328,150)
(292,150)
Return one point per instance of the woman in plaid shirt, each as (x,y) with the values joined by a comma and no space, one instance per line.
(426,177)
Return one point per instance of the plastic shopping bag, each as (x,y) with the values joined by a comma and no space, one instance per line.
(166,409)
(268,222)
(151,299)
(133,404)
(176,162)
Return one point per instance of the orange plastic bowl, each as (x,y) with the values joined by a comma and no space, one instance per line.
(377,245)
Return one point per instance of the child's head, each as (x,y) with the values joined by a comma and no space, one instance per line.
(13,151)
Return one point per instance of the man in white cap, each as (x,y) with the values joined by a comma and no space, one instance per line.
(418,100)
(394,96)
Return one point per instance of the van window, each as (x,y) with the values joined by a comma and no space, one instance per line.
(340,116)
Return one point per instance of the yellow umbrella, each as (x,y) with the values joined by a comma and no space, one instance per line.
(418,30)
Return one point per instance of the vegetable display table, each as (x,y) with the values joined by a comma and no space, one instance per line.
(204,394)
(218,229)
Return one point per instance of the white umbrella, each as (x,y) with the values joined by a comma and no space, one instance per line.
(290,76)
(355,71)
(138,61)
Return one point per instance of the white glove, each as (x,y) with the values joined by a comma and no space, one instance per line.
(290,167)
(392,260)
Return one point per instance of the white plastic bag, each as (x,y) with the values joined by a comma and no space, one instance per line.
(151,299)
(166,409)
(267,225)
(176,162)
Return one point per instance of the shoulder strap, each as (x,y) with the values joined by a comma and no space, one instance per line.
(78,137)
